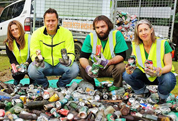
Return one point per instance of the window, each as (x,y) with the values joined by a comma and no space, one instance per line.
(10,11)
(18,8)
(4,15)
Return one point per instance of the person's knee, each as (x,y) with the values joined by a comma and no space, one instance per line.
(120,67)
(169,80)
(126,77)
(32,71)
(74,69)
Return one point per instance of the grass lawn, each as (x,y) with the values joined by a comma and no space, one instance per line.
(175,90)
(4,62)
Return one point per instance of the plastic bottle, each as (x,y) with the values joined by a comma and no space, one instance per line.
(36,104)
(109,110)
(28,116)
(8,105)
(72,87)
(100,116)
(15,108)
(5,96)
(150,117)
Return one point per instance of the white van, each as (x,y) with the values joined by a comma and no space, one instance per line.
(22,11)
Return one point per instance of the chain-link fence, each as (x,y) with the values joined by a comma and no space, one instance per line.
(77,15)
(160,13)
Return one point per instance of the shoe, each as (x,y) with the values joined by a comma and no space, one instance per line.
(146,95)
(57,84)
(31,81)
(161,101)
(46,87)
(16,82)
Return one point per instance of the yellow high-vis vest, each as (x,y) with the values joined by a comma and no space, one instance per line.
(21,55)
(156,54)
(51,46)
(108,52)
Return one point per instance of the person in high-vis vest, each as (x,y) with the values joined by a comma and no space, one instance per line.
(50,40)
(17,49)
(153,63)
(113,52)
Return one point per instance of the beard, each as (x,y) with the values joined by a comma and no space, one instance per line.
(104,35)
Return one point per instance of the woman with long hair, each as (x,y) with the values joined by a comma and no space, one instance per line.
(17,50)
(153,63)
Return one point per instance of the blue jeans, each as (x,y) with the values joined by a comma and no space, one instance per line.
(138,81)
(67,73)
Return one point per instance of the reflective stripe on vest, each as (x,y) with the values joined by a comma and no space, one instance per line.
(156,54)
(29,38)
(94,40)
(18,53)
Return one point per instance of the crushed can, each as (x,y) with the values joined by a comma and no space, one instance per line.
(14,69)
(149,63)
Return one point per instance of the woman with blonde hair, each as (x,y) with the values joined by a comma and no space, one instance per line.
(17,50)
(153,63)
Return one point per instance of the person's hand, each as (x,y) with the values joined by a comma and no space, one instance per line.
(26,64)
(153,71)
(14,69)
(24,67)
(65,62)
(88,69)
(39,61)
(17,66)
(129,69)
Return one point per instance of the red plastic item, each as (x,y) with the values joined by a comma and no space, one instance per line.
(64,112)
(98,50)
(2,113)
(173,52)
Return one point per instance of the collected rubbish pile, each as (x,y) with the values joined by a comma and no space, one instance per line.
(126,24)
(81,102)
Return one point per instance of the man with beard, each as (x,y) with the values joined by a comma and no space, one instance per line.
(113,52)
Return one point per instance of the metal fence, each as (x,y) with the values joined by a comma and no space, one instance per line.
(161,13)
(77,15)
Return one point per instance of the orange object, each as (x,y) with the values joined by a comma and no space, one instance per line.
(23,98)
(173,52)
(63,112)
(98,50)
